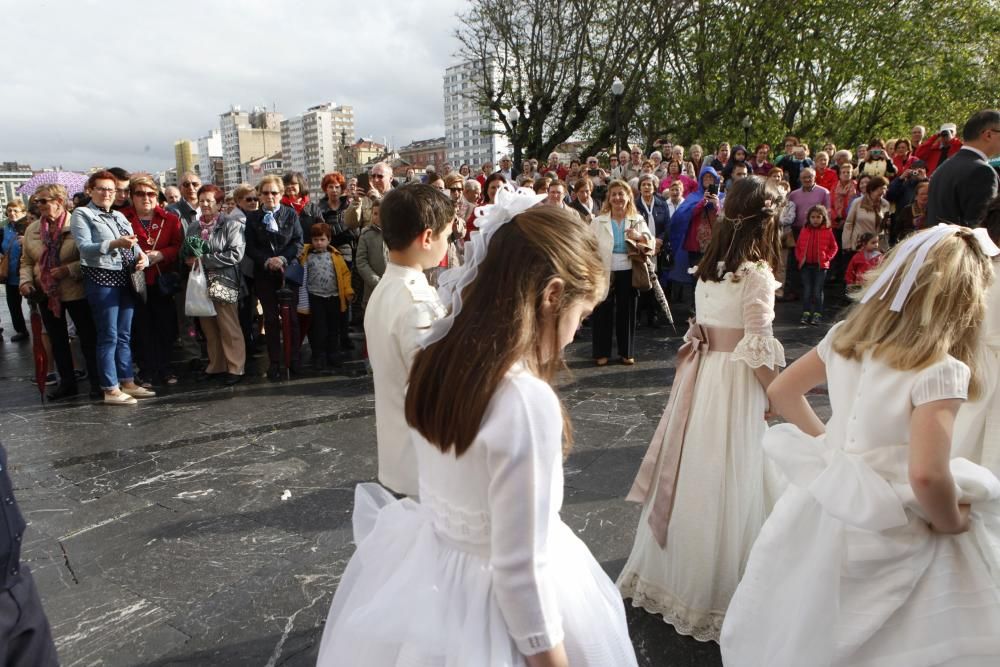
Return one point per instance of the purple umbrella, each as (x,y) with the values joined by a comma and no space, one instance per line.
(71,180)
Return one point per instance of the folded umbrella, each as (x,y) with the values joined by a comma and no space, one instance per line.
(38,350)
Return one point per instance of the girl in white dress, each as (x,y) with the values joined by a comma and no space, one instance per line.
(704,507)
(483,572)
(884,549)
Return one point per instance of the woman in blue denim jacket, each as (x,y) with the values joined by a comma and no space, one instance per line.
(10,247)
(108,252)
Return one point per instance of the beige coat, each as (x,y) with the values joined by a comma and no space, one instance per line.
(70,287)
(860,220)
(601,226)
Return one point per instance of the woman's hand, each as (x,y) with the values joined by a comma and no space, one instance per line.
(554,657)
(123,242)
(59,272)
(274,264)
(142,262)
(27,288)
(190,261)
(154,256)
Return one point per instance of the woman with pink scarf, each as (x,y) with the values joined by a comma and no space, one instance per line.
(50,274)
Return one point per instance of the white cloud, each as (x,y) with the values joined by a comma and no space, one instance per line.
(118,83)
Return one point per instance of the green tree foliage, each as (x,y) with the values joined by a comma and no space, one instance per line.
(843,70)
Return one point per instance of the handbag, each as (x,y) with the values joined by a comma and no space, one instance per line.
(168,283)
(197,303)
(642,257)
(294,273)
(222,287)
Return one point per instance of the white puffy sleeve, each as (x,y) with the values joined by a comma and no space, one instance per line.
(759,347)
(523,434)
(825,347)
(947,379)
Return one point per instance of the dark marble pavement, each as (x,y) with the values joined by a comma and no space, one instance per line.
(210,526)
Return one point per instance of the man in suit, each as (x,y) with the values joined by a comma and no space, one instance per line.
(963,185)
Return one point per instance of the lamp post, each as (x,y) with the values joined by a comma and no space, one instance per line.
(617,90)
(747,124)
(513,115)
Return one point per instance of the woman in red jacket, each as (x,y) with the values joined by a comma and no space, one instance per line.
(154,324)
(813,251)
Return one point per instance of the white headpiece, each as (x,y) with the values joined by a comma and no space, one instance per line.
(920,243)
(508,202)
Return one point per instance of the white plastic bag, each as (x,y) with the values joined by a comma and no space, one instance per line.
(197,303)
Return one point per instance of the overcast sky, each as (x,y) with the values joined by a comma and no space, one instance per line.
(91,82)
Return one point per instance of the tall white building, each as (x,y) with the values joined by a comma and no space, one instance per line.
(246,137)
(209,152)
(312,142)
(13,176)
(470,134)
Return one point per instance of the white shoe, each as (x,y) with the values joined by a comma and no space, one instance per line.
(138,392)
(121,398)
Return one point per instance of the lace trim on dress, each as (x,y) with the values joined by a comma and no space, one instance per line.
(457,523)
(705,626)
(757,350)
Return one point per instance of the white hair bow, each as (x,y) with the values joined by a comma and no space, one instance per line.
(508,202)
(920,243)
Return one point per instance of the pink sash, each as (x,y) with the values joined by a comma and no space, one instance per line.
(673,424)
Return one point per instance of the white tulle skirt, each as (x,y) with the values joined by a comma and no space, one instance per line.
(409,598)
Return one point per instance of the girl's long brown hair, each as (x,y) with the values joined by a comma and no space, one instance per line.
(747,232)
(453,380)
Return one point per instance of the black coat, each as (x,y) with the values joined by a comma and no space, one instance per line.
(262,244)
(11,528)
(960,190)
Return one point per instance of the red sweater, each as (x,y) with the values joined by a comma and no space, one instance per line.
(930,151)
(165,231)
(816,245)
(828,179)
(859,266)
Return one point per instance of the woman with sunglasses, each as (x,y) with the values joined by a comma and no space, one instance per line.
(50,269)
(273,241)
(246,200)
(108,254)
(154,324)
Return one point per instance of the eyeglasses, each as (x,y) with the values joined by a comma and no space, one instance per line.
(104,190)
(41,201)
(251,199)
(189,184)
(271,193)
(145,194)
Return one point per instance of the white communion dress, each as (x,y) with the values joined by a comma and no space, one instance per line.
(482,571)
(846,570)
(722,489)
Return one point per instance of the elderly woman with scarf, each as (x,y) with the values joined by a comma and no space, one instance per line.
(688,228)
(154,324)
(296,193)
(223,244)
(868,213)
(50,266)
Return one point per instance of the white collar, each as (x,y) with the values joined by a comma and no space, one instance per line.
(976,151)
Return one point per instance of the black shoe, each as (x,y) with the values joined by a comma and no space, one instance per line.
(209,377)
(62,391)
(20,336)
(231,379)
(274,372)
(295,368)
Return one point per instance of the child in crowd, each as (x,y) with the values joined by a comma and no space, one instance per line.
(416,221)
(866,258)
(882,551)
(372,255)
(704,483)
(814,249)
(328,291)
(483,572)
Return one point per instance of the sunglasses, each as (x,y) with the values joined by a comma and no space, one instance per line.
(459,189)
(41,201)
(189,184)
(250,199)
(145,194)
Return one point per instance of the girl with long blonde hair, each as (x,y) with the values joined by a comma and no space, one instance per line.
(882,549)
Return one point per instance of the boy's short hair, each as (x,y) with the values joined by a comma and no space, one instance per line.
(320,229)
(410,210)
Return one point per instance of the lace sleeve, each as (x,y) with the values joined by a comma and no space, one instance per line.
(759,347)
(947,379)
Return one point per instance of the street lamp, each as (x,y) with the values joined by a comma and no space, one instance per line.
(617,90)
(513,115)
(747,124)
